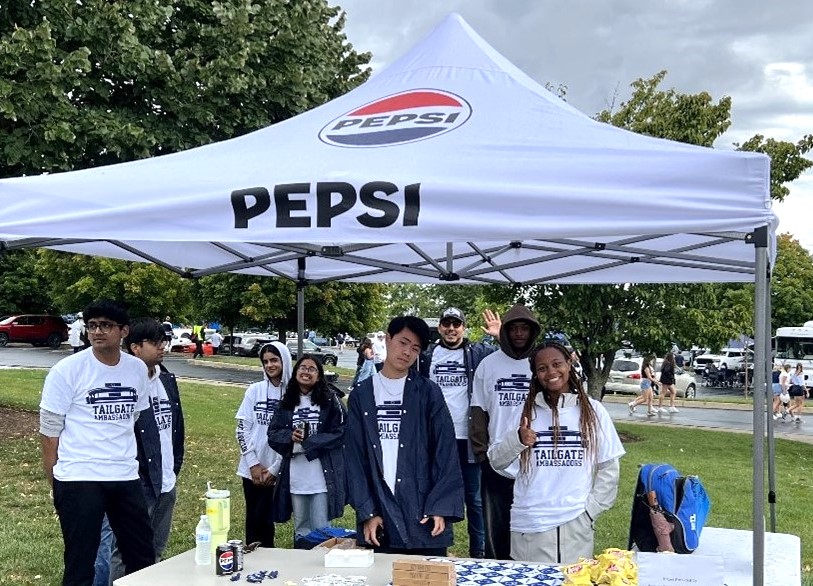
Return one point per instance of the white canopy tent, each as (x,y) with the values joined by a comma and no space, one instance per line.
(449,166)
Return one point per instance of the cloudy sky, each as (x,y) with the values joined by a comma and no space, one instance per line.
(759,53)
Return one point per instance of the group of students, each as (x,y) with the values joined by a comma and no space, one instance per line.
(789,392)
(650,382)
(505,432)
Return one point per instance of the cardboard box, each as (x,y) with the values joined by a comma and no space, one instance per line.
(339,543)
(423,573)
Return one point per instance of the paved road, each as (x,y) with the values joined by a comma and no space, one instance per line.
(711,416)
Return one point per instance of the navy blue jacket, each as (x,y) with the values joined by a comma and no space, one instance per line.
(325,445)
(148,442)
(429,481)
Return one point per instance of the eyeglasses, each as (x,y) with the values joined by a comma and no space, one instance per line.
(158,343)
(308,369)
(104,327)
(451,323)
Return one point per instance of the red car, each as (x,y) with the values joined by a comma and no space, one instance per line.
(39,330)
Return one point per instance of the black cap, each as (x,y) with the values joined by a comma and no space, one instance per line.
(453,313)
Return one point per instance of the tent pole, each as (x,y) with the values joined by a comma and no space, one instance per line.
(300,306)
(768,411)
(760,241)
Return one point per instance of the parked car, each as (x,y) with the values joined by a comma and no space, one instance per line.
(39,330)
(326,357)
(625,377)
(728,358)
(244,344)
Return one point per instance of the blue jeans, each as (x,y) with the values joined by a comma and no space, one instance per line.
(474,503)
(310,512)
(102,564)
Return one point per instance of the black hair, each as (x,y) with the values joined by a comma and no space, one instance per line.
(414,324)
(588,420)
(107,308)
(144,329)
(320,394)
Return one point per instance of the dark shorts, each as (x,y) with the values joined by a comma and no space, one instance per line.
(797,391)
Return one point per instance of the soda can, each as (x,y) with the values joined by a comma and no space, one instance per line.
(237,548)
(224,560)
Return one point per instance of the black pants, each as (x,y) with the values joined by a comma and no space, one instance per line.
(81,507)
(198,349)
(259,513)
(497,493)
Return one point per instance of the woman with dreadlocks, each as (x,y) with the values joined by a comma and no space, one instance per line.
(568,451)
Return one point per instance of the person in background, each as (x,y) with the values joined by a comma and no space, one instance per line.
(647,381)
(308,432)
(451,363)
(90,401)
(76,333)
(667,382)
(568,452)
(379,348)
(167,325)
(215,339)
(797,393)
(198,337)
(498,393)
(776,387)
(159,434)
(259,464)
(405,494)
(365,366)
(784,390)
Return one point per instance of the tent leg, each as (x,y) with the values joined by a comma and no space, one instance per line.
(762,277)
(768,411)
(300,306)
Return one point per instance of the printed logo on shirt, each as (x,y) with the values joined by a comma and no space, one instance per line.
(112,402)
(162,409)
(389,419)
(567,450)
(450,374)
(264,411)
(512,391)
(309,415)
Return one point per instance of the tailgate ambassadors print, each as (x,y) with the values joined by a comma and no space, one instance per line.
(112,402)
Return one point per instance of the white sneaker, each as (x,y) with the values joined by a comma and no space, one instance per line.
(631,405)
(776,416)
(652,413)
(673,410)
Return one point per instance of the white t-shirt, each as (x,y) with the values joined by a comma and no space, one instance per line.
(259,404)
(215,340)
(306,477)
(379,351)
(448,370)
(99,403)
(162,411)
(500,388)
(389,398)
(560,478)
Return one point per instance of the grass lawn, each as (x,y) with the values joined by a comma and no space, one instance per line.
(31,545)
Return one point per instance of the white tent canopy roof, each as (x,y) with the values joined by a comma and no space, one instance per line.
(450,165)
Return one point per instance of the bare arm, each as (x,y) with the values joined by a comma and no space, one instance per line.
(50,445)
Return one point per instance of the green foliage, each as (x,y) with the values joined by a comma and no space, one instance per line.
(791,291)
(21,290)
(74,280)
(787,160)
(84,84)
(690,118)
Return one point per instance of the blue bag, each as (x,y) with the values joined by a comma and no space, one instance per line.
(318,536)
(681,499)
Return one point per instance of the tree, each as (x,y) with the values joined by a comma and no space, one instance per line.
(787,160)
(84,84)
(21,290)
(74,280)
(791,291)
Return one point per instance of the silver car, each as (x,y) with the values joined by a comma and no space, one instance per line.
(625,377)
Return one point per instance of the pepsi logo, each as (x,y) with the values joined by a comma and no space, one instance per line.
(398,119)
(226,560)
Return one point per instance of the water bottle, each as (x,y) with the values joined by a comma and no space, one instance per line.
(203,542)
